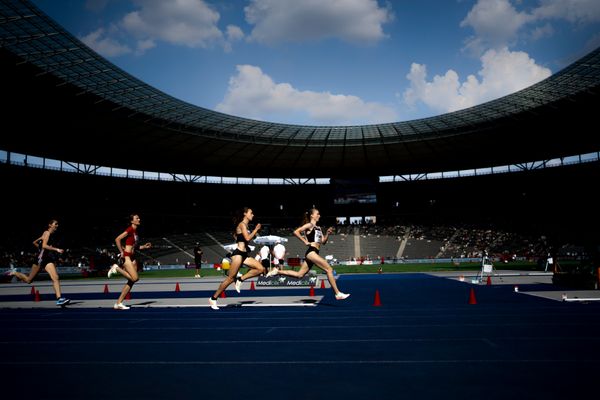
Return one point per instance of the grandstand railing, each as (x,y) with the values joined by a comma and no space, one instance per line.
(25,160)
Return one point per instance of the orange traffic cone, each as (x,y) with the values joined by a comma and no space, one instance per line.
(128,296)
(177,287)
(311,292)
(489,280)
(223,295)
(105,288)
(33,290)
(472,299)
(322,284)
(37,296)
(252,287)
(377,301)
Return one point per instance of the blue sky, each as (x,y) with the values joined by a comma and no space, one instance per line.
(335,62)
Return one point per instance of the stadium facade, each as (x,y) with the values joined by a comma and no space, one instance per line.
(56,87)
(53,83)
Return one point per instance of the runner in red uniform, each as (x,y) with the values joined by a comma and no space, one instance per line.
(128,255)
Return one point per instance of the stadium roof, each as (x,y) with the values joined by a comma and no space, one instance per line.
(57,87)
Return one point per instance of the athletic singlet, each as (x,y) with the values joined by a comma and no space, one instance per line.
(315,235)
(239,238)
(132,238)
(46,256)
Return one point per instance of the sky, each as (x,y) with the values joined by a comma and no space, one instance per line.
(335,62)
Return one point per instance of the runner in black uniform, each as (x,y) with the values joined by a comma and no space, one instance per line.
(240,256)
(313,238)
(46,259)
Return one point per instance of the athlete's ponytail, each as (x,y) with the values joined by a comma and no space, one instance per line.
(307,215)
(239,216)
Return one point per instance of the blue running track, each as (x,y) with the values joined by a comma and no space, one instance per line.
(424,342)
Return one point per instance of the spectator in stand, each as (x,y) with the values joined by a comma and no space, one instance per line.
(198,259)
(278,255)
(263,257)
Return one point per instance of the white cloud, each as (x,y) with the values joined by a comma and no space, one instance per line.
(102,44)
(277,21)
(181,22)
(253,94)
(497,23)
(191,23)
(233,34)
(143,45)
(502,72)
(576,11)
(543,31)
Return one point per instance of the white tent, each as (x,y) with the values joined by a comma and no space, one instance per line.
(269,240)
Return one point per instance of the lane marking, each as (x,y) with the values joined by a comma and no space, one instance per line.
(307,362)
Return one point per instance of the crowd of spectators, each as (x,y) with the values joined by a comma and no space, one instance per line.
(460,241)
(11,258)
(455,241)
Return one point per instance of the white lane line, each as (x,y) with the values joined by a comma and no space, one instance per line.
(585,324)
(575,299)
(231,305)
(306,362)
(223,341)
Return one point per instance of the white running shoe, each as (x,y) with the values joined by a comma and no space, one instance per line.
(272,272)
(121,306)
(238,285)
(341,296)
(112,271)
(213,304)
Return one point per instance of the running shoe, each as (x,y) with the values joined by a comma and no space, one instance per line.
(121,306)
(213,304)
(112,271)
(238,285)
(62,301)
(272,272)
(341,296)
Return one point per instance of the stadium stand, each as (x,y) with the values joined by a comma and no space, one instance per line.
(51,77)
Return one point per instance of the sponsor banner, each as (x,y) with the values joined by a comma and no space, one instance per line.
(287,281)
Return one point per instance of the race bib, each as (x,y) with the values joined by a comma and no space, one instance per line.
(318,236)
